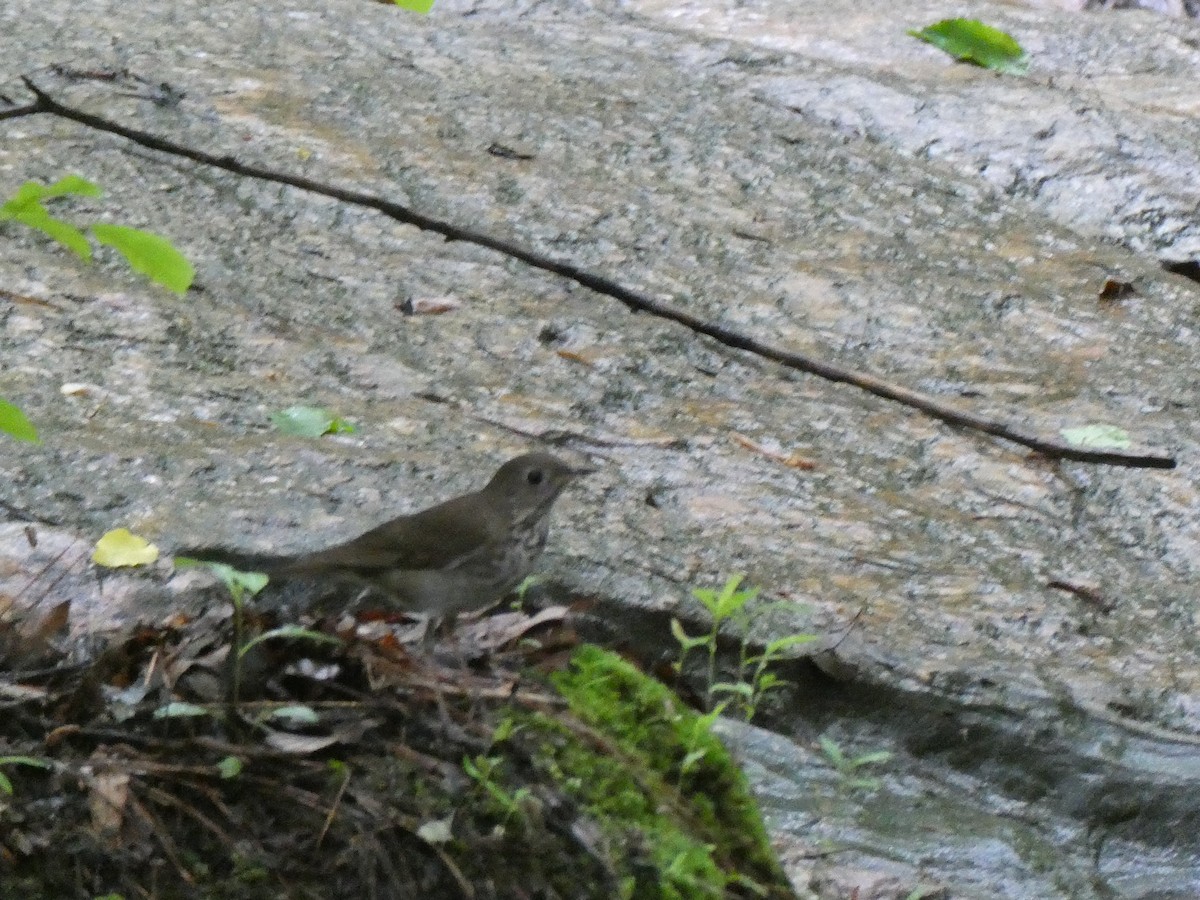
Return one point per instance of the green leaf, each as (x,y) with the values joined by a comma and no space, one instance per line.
(14,423)
(66,234)
(419,6)
(778,645)
(69,184)
(120,547)
(25,206)
(707,597)
(310,421)
(974,42)
(179,710)
(690,760)
(230,767)
(831,750)
(5,784)
(32,193)
(288,631)
(768,681)
(731,599)
(151,254)
(733,687)
(1099,437)
(867,759)
(525,586)
(506,729)
(235,580)
(24,761)
(686,641)
(703,724)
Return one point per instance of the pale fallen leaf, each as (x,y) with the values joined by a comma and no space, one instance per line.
(492,632)
(120,547)
(437,831)
(1100,437)
(301,744)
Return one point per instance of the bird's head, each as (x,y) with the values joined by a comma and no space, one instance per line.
(530,483)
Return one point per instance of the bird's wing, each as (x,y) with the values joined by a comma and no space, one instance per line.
(427,540)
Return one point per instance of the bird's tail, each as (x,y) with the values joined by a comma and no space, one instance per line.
(267,563)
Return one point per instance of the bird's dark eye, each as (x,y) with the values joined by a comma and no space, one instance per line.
(535,476)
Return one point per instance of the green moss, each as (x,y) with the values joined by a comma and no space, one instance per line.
(660,784)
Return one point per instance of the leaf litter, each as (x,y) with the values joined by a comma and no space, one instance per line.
(134,774)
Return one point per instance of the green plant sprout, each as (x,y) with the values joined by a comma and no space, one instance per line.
(512,804)
(696,738)
(847,767)
(753,680)
(150,254)
(242,586)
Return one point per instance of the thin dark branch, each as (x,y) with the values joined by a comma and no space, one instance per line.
(27,110)
(632,299)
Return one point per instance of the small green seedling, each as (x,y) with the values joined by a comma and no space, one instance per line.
(729,606)
(848,767)
(483,769)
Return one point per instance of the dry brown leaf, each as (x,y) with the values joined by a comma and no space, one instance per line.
(108,794)
(573,356)
(429,306)
(502,629)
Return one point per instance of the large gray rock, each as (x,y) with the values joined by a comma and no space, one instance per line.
(808,175)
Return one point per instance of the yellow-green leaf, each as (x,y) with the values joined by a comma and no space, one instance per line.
(151,254)
(974,42)
(34,215)
(32,193)
(25,206)
(421,6)
(238,583)
(14,423)
(119,548)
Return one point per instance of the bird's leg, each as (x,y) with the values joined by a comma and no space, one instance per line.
(433,624)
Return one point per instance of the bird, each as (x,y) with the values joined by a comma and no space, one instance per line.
(458,556)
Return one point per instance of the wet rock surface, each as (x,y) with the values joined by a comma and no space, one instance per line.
(819,181)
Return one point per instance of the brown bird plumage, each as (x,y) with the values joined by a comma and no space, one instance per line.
(460,555)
